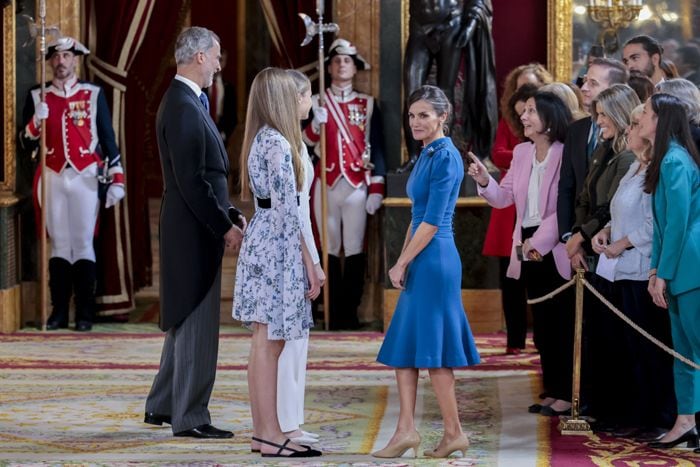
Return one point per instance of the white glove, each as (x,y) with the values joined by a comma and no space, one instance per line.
(374,202)
(114,194)
(41,112)
(320,116)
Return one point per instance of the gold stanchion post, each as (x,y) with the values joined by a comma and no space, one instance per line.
(574,425)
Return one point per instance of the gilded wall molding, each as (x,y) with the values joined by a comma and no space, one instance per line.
(559,38)
(686,19)
(405,16)
(8,92)
(66,15)
(358,21)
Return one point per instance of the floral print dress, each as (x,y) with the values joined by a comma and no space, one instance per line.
(271,282)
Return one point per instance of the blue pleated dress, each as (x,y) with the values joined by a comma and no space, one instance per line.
(429,328)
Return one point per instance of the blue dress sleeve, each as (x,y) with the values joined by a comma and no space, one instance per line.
(444,172)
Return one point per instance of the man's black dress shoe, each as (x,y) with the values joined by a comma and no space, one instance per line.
(535,408)
(54,324)
(205,431)
(83,326)
(156,419)
(550,412)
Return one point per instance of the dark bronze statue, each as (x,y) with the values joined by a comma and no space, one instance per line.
(450,34)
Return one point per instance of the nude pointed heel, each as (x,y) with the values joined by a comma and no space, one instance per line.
(460,444)
(399,448)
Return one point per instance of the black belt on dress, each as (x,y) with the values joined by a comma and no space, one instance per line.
(266,203)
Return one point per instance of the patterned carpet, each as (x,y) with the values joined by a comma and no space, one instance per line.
(72,398)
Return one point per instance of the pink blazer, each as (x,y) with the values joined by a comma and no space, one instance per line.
(513,190)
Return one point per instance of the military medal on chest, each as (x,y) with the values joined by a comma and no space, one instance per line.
(78,112)
(357,116)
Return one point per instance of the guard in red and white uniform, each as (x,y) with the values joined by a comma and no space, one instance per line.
(355,171)
(80,148)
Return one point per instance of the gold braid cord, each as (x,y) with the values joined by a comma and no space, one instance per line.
(620,315)
(551,294)
(641,331)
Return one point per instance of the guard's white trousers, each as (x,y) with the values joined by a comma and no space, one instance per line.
(291,381)
(72,207)
(347,217)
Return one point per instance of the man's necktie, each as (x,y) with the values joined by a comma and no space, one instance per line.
(205,101)
(593,141)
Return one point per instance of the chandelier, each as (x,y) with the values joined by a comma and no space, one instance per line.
(613,15)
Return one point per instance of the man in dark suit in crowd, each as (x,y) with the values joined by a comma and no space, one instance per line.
(196,222)
(579,144)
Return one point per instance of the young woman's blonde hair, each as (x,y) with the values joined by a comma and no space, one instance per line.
(273,101)
(301,81)
(617,102)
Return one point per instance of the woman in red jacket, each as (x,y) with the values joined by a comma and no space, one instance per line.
(519,85)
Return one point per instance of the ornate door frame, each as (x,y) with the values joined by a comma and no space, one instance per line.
(7,182)
(559,38)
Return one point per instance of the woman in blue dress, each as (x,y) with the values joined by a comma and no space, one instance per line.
(429,328)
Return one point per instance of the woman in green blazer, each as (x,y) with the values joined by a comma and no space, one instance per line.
(673,178)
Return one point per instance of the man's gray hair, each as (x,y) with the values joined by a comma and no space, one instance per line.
(193,40)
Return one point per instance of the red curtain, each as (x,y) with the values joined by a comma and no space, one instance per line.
(293,32)
(207,14)
(519,34)
(132,45)
(149,76)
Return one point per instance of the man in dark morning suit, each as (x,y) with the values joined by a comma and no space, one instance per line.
(580,142)
(196,222)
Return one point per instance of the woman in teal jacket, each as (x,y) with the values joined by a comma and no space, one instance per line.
(673,178)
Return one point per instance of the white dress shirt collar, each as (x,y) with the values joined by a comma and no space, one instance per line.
(191,84)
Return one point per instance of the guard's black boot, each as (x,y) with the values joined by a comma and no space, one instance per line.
(335,298)
(84,277)
(60,286)
(353,287)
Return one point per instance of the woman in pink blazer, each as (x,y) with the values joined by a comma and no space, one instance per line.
(537,255)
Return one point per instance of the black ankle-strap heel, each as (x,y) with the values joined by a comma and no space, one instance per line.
(283,447)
